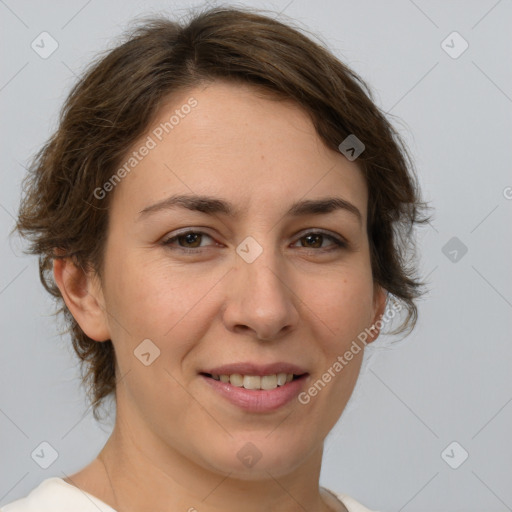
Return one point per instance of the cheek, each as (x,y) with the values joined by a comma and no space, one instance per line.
(343,303)
(152,299)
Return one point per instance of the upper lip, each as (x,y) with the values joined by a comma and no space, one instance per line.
(247,368)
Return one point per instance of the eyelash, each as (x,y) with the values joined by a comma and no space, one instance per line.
(338,242)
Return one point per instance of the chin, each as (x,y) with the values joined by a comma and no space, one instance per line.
(256,457)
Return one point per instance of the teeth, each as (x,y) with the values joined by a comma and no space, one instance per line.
(237,380)
(269,382)
(281,379)
(255,381)
(252,382)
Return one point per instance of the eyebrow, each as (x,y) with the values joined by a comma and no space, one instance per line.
(213,205)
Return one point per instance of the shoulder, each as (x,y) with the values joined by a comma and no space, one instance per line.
(56,495)
(350,503)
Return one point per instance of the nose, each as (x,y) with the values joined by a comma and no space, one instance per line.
(260,299)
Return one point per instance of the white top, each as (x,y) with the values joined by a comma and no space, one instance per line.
(56,495)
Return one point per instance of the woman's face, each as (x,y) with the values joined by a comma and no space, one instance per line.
(258,288)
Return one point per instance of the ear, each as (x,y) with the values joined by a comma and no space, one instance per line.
(83,296)
(380,296)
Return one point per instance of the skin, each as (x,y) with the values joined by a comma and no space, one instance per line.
(175,442)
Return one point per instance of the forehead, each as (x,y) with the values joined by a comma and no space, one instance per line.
(229,140)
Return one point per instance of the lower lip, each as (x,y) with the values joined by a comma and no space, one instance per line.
(255,400)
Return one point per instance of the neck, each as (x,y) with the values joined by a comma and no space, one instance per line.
(143,476)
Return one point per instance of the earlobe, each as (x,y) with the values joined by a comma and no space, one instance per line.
(83,296)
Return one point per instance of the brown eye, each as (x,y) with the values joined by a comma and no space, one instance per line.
(188,240)
(314,240)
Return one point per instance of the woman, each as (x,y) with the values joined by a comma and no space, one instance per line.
(222,215)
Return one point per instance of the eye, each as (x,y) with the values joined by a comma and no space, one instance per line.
(314,240)
(187,241)
(190,241)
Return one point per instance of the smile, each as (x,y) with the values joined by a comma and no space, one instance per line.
(266,382)
(256,389)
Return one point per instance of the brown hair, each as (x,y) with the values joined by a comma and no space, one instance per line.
(113,104)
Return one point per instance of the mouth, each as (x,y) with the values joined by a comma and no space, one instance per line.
(256,382)
(256,388)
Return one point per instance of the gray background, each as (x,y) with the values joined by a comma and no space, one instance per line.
(450,380)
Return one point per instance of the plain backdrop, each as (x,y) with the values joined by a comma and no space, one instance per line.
(423,404)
